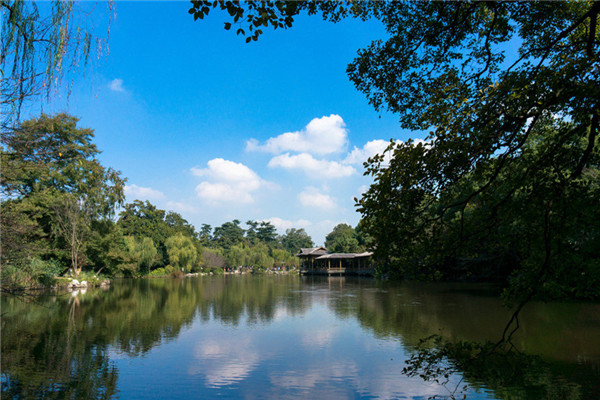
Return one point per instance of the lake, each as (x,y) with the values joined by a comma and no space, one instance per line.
(263,337)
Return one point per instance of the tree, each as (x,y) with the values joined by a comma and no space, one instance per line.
(143,219)
(212,258)
(39,46)
(142,251)
(205,235)
(182,252)
(55,183)
(266,232)
(179,224)
(251,232)
(73,223)
(342,240)
(229,234)
(295,239)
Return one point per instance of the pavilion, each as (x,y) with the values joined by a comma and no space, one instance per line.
(318,261)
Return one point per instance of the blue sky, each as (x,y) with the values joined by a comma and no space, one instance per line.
(216,129)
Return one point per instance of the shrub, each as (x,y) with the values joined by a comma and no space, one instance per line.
(259,270)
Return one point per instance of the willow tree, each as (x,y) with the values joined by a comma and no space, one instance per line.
(41,43)
(182,252)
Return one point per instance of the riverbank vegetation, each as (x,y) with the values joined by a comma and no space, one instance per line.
(64,213)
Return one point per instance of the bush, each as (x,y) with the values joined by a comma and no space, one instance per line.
(162,272)
(31,272)
(259,270)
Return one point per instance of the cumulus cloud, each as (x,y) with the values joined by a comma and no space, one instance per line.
(116,85)
(143,193)
(228,182)
(321,136)
(312,166)
(312,197)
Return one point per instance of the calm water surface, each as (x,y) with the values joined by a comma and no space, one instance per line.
(280,337)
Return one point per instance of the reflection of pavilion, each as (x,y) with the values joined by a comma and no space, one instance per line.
(318,260)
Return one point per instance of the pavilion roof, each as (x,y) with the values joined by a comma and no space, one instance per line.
(313,251)
(338,256)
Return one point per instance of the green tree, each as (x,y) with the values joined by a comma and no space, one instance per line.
(179,224)
(182,252)
(229,234)
(342,240)
(55,184)
(205,235)
(295,239)
(266,232)
(142,251)
(143,219)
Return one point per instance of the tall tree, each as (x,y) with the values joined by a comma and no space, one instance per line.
(205,235)
(251,232)
(51,171)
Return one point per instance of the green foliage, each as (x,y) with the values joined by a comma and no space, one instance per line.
(182,253)
(214,271)
(55,190)
(228,234)
(178,224)
(343,239)
(266,232)
(295,239)
(31,272)
(142,250)
(259,270)
(161,272)
(205,235)
(52,153)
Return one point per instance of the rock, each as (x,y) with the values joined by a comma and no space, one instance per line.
(83,284)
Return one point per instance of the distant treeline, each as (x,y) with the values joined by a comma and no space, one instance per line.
(64,214)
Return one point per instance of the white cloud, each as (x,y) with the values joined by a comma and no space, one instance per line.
(116,85)
(312,166)
(143,193)
(283,224)
(311,197)
(323,135)
(359,156)
(228,182)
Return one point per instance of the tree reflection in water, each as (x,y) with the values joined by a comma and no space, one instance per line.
(65,346)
